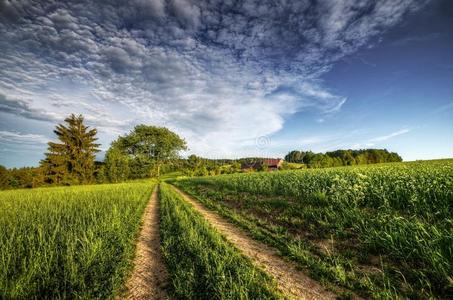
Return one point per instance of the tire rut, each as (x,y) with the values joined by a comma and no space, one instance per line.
(149,279)
(292,282)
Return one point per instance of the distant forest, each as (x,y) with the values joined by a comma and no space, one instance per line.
(149,151)
(342,157)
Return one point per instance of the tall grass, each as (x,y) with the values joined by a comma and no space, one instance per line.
(202,264)
(423,188)
(68,242)
(390,226)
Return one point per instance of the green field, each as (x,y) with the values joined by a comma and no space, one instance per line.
(382,231)
(202,265)
(69,242)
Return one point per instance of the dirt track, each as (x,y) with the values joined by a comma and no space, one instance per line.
(149,279)
(292,282)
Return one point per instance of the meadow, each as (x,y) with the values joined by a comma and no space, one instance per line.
(201,263)
(69,242)
(382,231)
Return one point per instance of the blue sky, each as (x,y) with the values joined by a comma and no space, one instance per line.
(234,79)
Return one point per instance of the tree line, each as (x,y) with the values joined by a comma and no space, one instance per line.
(148,151)
(342,157)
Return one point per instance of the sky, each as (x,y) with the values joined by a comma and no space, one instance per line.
(234,78)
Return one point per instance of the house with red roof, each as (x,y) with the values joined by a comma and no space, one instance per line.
(273,164)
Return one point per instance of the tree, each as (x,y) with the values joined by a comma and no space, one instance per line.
(193,162)
(26,177)
(116,165)
(343,157)
(4,178)
(72,160)
(21,178)
(148,147)
(295,156)
(100,175)
(308,157)
(99,172)
(347,158)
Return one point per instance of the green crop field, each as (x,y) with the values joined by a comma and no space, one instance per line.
(69,242)
(202,265)
(382,231)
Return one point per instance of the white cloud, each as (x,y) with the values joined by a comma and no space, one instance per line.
(389,136)
(22,138)
(221,75)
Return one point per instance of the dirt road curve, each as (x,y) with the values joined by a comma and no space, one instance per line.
(292,282)
(149,278)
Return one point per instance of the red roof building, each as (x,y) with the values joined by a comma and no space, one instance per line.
(272,164)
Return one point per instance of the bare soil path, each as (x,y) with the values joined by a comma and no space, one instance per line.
(149,279)
(291,281)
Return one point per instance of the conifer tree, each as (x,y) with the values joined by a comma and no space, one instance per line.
(72,160)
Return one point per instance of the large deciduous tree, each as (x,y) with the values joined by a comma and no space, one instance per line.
(142,152)
(116,165)
(71,161)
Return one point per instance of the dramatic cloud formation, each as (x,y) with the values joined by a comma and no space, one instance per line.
(22,108)
(221,73)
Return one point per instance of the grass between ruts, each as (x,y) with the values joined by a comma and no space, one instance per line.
(201,263)
(69,242)
(383,231)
